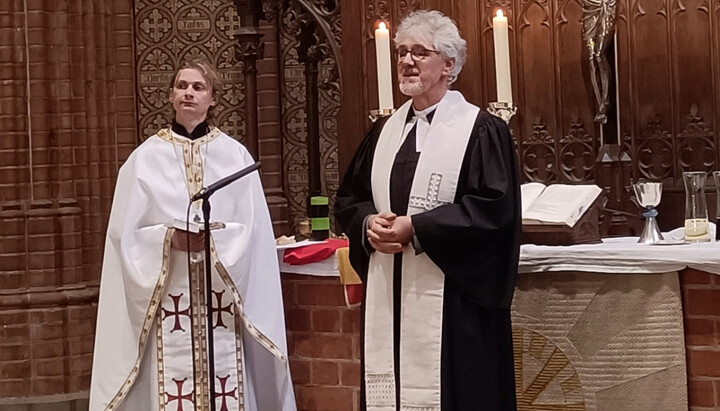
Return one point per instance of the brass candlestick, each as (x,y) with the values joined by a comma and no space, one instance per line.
(502,109)
(383,112)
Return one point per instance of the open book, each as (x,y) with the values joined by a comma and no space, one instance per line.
(556,204)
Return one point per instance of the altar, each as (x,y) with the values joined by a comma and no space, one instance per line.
(617,325)
(601,326)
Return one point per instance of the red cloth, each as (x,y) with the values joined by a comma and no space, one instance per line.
(314,252)
(353,295)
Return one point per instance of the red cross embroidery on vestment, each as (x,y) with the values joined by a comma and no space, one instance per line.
(224,394)
(180,397)
(177,313)
(219,311)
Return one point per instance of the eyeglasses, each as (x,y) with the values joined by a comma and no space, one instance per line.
(417,53)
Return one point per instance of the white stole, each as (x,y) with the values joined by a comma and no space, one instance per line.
(434,184)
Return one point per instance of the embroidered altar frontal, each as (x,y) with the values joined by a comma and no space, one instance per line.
(591,341)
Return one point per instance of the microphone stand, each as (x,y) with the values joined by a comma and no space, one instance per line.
(209,304)
(204,195)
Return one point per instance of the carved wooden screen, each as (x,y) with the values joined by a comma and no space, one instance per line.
(169,32)
(667,65)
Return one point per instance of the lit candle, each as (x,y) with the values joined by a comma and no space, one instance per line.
(382,53)
(502,58)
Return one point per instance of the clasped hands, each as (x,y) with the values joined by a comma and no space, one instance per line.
(388,233)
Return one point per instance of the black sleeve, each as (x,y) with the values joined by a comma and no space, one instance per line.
(475,241)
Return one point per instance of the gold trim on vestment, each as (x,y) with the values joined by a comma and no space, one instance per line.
(147,324)
(192,158)
(199,326)
(160,359)
(239,358)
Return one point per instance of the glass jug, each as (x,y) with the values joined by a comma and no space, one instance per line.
(696,215)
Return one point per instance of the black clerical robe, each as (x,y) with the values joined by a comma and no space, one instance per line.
(474,241)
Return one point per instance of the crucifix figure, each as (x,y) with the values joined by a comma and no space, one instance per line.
(598,30)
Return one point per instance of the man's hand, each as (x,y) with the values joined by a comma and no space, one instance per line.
(179,241)
(388,233)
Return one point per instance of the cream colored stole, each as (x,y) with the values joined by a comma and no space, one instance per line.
(434,184)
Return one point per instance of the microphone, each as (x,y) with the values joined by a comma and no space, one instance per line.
(206,192)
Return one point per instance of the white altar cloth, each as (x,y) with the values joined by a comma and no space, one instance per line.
(621,255)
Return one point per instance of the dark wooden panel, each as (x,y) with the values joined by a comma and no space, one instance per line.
(667,66)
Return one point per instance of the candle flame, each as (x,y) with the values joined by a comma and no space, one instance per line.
(382,26)
(499,13)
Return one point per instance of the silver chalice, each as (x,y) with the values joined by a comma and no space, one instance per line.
(648,196)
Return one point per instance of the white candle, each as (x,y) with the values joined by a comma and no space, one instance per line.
(502,58)
(384,74)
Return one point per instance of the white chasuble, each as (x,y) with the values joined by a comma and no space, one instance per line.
(434,184)
(151,342)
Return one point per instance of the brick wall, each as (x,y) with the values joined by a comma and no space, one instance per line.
(323,343)
(701,308)
(67,114)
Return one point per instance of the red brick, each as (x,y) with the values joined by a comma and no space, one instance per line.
(356,347)
(14,333)
(325,373)
(11,370)
(13,281)
(704,363)
(700,332)
(332,346)
(80,328)
(14,352)
(77,383)
(82,312)
(14,388)
(49,315)
(324,399)
(47,331)
(50,349)
(42,278)
(300,371)
(703,302)
(14,317)
(50,367)
(81,346)
(320,294)
(351,321)
(326,321)
(701,393)
(302,345)
(12,262)
(48,385)
(350,374)
(81,364)
(297,319)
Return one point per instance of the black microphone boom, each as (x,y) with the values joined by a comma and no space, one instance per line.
(206,192)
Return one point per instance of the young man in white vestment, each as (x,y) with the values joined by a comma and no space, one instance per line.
(151,347)
(431,204)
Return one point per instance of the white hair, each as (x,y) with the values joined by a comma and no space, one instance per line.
(438,29)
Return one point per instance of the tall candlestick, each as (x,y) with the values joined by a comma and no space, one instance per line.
(502,58)
(382,53)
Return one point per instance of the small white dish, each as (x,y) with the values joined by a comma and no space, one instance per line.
(671,241)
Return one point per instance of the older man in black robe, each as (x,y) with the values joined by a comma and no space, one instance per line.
(431,204)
